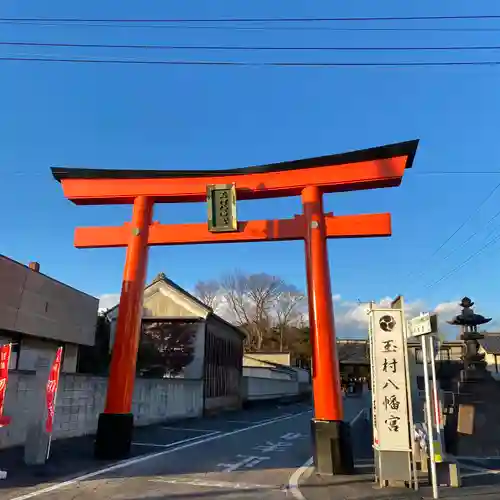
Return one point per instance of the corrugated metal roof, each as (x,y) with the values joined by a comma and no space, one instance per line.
(491,343)
(355,353)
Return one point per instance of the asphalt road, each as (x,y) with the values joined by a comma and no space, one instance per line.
(243,455)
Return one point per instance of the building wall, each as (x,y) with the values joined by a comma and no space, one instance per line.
(281,358)
(256,367)
(30,348)
(256,389)
(4,339)
(263,372)
(223,365)
(449,351)
(448,362)
(195,369)
(80,400)
(492,363)
(162,301)
(303,376)
(217,360)
(251,360)
(37,305)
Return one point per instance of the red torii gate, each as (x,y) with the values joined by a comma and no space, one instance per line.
(365,169)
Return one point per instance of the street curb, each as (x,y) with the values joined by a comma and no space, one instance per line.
(306,470)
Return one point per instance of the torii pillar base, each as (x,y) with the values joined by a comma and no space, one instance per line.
(114,436)
(332,448)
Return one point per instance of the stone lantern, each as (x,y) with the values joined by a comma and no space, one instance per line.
(476,412)
(468,320)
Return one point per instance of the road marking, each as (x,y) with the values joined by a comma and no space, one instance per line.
(363,466)
(474,474)
(358,416)
(290,436)
(169,445)
(258,421)
(293,482)
(125,463)
(188,429)
(477,459)
(269,446)
(247,462)
(482,470)
(243,421)
(216,484)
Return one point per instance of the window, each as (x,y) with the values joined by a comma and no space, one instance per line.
(444,354)
(14,339)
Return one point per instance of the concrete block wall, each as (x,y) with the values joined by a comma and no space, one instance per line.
(257,388)
(80,400)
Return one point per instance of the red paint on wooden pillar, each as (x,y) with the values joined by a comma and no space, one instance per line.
(126,342)
(326,376)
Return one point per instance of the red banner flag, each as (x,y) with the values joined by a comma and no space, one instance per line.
(5,351)
(51,392)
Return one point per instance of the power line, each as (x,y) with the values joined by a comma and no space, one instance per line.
(283,64)
(251,20)
(416,275)
(465,262)
(459,172)
(467,220)
(183,26)
(475,233)
(241,47)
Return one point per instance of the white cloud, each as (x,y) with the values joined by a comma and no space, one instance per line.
(108,300)
(351,318)
(448,308)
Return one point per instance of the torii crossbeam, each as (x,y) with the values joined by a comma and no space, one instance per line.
(366,169)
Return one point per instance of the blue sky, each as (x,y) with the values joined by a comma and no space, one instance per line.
(114,116)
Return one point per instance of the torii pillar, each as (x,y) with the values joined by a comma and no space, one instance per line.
(331,434)
(310,178)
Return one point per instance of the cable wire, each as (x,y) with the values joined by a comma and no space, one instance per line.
(466,221)
(461,245)
(243,47)
(475,233)
(465,262)
(415,275)
(283,64)
(250,28)
(458,172)
(255,20)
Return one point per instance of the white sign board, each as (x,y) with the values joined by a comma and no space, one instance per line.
(389,367)
(421,325)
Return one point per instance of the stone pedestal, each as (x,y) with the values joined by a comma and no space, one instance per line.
(478,416)
(114,436)
(332,447)
(37,442)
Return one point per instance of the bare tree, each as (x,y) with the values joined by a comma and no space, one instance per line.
(209,293)
(289,311)
(165,348)
(251,300)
